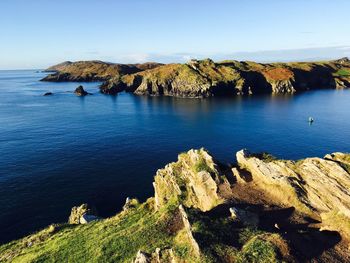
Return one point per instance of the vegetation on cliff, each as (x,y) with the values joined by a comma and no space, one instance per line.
(261,210)
(206,78)
(92,70)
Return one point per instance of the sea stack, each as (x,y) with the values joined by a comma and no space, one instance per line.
(79,91)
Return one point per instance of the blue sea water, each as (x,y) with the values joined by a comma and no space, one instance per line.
(62,150)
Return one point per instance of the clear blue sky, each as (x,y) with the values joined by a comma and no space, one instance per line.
(38,33)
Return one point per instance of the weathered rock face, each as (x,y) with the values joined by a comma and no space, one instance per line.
(204,78)
(313,185)
(78,212)
(192,181)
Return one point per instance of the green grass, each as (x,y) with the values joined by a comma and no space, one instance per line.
(202,165)
(112,240)
(257,250)
(343,73)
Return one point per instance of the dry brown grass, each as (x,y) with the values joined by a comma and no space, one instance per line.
(278,74)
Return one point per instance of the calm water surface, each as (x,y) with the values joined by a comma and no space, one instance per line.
(62,150)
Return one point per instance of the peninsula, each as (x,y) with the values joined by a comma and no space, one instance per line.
(206,78)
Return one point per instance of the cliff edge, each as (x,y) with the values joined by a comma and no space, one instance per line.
(260,210)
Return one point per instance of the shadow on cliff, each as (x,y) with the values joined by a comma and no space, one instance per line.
(255,83)
(319,77)
(305,241)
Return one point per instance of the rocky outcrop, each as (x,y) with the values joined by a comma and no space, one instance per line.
(82,214)
(79,91)
(165,255)
(130,203)
(260,210)
(192,181)
(48,94)
(314,186)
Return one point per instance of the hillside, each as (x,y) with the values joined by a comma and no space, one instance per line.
(261,210)
(92,70)
(206,78)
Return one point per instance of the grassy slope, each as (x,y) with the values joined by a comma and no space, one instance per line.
(117,239)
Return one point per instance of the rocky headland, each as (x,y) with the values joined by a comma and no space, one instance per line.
(259,210)
(206,78)
(87,71)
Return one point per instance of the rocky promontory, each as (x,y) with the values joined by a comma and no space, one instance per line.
(86,71)
(206,78)
(260,209)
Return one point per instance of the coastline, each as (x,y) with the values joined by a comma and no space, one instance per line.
(206,78)
(271,202)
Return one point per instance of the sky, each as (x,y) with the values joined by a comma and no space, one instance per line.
(40,33)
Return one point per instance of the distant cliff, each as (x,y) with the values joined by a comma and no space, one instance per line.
(206,78)
(92,70)
(260,210)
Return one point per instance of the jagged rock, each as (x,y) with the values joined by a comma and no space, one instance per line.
(112,86)
(79,91)
(343,60)
(339,157)
(79,211)
(165,255)
(238,176)
(48,94)
(192,181)
(187,227)
(282,86)
(142,257)
(313,185)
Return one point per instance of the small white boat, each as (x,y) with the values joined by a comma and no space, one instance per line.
(311,120)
